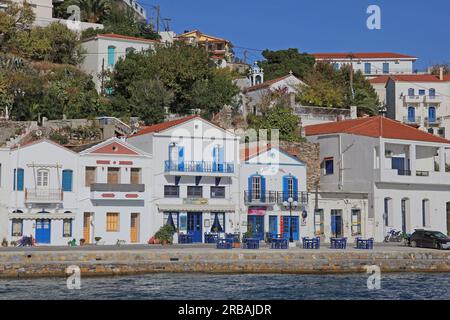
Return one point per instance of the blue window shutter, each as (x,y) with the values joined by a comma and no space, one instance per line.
(295,188)
(67,177)
(250,189)
(14,180)
(263,189)
(20,179)
(220,159)
(181,158)
(214,159)
(285,188)
(432,114)
(111,56)
(411,92)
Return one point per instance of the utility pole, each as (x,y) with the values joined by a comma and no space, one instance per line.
(102,86)
(157,9)
(351,56)
(166,23)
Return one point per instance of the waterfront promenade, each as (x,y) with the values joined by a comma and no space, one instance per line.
(125,260)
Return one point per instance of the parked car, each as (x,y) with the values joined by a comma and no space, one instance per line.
(429,239)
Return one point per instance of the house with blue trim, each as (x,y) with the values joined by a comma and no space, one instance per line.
(273,192)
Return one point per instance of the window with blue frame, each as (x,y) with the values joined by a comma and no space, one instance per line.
(421,92)
(385,67)
(67,177)
(328,164)
(256,188)
(431,114)
(111,56)
(432,92)
(411,92)
(411,114)
(19,175)
(367,68)
(290,188)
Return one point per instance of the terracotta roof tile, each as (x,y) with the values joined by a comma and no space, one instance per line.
(362,55)
(374,127)
(119,36)
(267,84)
(380,79)
(419,78)
(164,125)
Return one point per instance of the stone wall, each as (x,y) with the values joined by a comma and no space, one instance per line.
(102,263)
(310,154)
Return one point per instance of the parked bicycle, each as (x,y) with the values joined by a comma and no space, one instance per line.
(26,241)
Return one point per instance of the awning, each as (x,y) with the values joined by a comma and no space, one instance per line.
(34,216)
(196,208)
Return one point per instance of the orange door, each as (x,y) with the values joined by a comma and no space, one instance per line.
(87,227)
(134,227)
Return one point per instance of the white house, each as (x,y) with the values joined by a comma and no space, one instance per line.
(114,193)
(4,191)
(400,170)
(42,200)
(273,192)
(195,176)
(422,101)
(371,64)
(104,50)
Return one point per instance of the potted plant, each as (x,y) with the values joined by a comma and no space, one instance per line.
(4,242)
(82,242)
(165,234)
(97,240)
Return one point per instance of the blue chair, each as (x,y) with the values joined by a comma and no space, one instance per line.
(226,244)
(184,238)
(338,243)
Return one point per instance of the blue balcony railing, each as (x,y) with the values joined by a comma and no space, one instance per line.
(198,166)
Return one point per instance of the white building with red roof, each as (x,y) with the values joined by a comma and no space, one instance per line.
(371,64)
(401,171)
(104,50)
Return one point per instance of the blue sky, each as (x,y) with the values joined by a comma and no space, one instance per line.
(420,28)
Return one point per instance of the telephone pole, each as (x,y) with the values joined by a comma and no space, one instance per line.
(157,9)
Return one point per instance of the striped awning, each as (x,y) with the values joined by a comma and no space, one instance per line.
(196,208)
(41,215)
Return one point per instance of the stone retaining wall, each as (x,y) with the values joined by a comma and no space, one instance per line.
(101,263)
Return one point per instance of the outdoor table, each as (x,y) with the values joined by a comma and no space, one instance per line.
(251,243)
(365,244)
(224,244)
(211,237)
(184,238)
(338,243)
(311,243)
(273,236)
(278,243)
(235,237)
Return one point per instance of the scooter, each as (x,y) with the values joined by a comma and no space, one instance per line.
(394,236)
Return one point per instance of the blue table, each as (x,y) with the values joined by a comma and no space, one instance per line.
(311,243)
(278,243)
(364,244)
(224,244)
(184,238)
(338,243)
(211,237)
(251,243)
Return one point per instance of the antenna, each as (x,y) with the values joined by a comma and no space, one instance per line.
(166,23)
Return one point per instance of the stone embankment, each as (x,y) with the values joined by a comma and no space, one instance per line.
(207,260)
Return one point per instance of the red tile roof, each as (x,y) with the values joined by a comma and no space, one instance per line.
(380,79)
(362,55)
(121,37)
(419,78)
(267,84)
(164,125)
(374,127)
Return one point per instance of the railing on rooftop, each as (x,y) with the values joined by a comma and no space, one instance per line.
(198,166)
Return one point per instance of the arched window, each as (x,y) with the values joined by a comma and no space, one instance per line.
(411,114)
(411,92)
(111,56)
(432,92)
(431,114)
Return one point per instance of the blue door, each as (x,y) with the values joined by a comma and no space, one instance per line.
(432,114)
(336,224)
(194,226)
(273,224)
(287,228)
(43,228)
(411,114)
(255,224)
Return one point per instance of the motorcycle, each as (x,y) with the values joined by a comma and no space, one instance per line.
(394,236)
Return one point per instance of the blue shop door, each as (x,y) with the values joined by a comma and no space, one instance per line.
(256,225)
(295,228)
(273,225)
(43,229)
(336,225)
(194,226)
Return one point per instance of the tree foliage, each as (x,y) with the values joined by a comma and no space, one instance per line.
(280,63)
(15,18)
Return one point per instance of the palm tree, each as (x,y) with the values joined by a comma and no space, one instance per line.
(94,11)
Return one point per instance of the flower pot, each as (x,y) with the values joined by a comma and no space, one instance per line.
(236,245)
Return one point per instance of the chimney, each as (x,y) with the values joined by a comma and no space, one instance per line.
(441,73)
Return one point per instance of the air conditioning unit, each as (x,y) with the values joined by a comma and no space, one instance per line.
(388,154)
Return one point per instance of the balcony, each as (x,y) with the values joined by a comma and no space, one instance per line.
(433,121)
(273,197)
(412,121)
(44,195)
(413,99)
(196,167)
(434,99)
(105,191)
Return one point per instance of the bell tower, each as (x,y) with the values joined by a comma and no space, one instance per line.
(256,75)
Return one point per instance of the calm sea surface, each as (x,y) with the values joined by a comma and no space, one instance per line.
(208,286)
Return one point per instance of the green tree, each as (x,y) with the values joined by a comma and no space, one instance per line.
(149,100)
(280,63)
(183,69)
(16,17)
(94,11)
(279,117)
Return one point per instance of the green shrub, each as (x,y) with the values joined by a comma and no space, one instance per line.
(165,233)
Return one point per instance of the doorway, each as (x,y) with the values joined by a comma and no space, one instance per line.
(87,227)
(194,226)
(287,221)
(255,224)
(43,231)
(134,228)
(336,224)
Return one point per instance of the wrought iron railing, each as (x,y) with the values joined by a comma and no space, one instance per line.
(198,166)
(44,195)
(274,197)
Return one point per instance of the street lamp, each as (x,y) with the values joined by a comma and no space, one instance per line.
(291,204)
